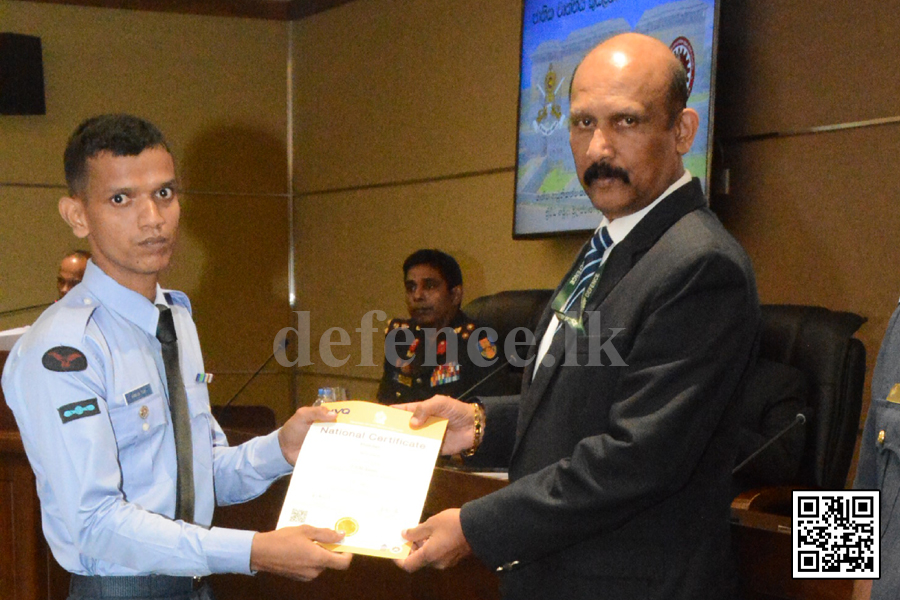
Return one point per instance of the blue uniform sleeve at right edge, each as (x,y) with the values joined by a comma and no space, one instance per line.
(883,378)
(865,469)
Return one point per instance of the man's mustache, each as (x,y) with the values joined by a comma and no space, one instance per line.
(602,170)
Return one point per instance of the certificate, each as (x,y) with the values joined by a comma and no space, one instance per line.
(366,475)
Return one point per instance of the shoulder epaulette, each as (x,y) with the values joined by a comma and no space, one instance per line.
(70,322)
(396,324)
(60,325)
(178,299)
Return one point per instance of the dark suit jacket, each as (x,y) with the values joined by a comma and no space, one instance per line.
(620,475)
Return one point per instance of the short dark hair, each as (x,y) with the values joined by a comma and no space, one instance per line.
(441,261)
(120,135)
(678,92)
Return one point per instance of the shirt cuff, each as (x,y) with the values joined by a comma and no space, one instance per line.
(228,550)
(270,462)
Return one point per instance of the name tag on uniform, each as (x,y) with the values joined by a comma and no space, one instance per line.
(894,396)
(138,394)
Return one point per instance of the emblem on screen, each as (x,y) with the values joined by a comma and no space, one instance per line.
(685,53)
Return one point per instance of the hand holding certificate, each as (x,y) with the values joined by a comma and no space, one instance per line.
(366,475)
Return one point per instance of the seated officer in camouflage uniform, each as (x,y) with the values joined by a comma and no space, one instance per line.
(434,355)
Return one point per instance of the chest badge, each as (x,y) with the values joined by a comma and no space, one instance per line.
(488,349)
(446,373)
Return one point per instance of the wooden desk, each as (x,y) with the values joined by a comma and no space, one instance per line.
(761,533)
(27,571)
(368,578)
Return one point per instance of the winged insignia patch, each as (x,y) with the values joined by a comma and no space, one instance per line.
(63,359)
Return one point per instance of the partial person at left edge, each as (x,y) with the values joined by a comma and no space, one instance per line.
(71,271)
(108,393)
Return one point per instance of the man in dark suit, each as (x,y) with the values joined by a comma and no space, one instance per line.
(619,465)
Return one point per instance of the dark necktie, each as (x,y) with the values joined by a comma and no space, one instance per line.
(593,258)
(181,418)
(568,309)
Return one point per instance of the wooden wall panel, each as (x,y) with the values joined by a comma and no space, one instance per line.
(425,89)
(817,213)
(788,65)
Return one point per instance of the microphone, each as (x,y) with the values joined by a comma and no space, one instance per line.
(478,383)
(800,419)
(14,311)
(252,377)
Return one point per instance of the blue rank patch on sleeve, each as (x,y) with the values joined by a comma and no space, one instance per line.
(79,410)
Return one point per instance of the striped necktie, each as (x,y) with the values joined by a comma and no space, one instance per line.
(593,258)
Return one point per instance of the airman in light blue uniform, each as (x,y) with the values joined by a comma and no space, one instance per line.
(106,472)
(88,385)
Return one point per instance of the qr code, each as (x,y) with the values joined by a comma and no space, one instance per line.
(297,516)
(835,535)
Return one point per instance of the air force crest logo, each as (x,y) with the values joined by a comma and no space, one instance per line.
(549,116)
(683,50)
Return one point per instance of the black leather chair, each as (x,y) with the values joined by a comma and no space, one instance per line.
(504,312)
(820,343)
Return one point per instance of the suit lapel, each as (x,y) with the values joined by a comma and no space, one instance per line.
(540,381)
(645,234)
(622,258)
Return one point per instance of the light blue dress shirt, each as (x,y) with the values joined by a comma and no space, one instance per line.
(106,475)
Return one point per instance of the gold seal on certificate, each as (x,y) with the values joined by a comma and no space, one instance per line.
(347,526)
(365,475)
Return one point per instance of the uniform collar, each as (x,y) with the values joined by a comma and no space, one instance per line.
(127,303)
(458,320)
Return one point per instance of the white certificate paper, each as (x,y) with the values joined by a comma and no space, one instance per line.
(366,475)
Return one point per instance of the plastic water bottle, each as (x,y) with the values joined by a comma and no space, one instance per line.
(324,395)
